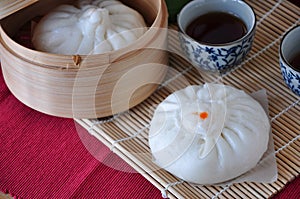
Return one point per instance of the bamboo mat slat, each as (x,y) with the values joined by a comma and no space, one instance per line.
(126,133)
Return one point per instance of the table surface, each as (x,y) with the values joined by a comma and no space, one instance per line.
(101,180)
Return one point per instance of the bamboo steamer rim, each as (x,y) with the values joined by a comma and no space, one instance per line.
(61,61)
(9,7)
(42,85)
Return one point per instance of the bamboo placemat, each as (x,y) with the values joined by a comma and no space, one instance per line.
(126,133)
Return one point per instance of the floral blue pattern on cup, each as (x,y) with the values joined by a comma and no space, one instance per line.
(289,48)
(291,77)
(216,59)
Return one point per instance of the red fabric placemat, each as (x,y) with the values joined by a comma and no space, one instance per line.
(290,191)
(43,157)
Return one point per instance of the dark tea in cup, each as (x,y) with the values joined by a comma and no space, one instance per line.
(295,61)
(289,58)
(216,28)
(216,35)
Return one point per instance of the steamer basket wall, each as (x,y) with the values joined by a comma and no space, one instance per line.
(85,86)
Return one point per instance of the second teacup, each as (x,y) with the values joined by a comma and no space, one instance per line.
(216,35)
(289,59)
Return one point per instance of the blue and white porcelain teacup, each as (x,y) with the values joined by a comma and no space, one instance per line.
(288,50)
(216,57)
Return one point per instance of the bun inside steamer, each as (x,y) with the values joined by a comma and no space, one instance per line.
(88,27)
(208,134)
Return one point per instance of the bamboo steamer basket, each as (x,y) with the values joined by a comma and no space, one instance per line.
(85,86)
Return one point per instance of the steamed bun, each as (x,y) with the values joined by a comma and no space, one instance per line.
(89,27)
(208,134)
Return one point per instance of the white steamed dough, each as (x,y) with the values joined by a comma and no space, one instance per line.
(208,134)
(89,27)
